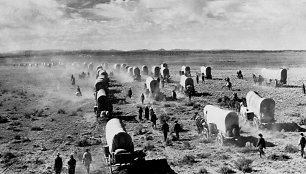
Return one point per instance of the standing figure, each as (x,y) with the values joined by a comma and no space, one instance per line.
(165,129)
(303,88)
(189,95)
(58,164)
(153,118)
(71,165)
(79,93)
(302,143)
(142,98)
(197,79)
(86,160)
(147,112)
(73,81)
(130,93)
(140,113)
(177,129)
(163,83)
(203,78)
(261,144)
(174,95)
(71,77)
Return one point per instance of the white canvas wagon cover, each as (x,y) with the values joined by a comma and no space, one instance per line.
(279,74)
(185,81)
(225,120)
(136,71)
(263,108)
(116,67)
(206,70)
(152,84)
(116,137)
(145,69)
(156,71)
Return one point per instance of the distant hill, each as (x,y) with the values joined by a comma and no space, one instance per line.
(28,53)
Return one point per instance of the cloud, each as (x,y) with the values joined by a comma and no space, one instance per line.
(133,24)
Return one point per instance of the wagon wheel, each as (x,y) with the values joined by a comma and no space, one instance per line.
(220,139)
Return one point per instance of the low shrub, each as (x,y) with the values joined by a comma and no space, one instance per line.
(163,118)
(276,157)
(226,170)
(3,119)
(243,164)
(203,155)
(36,128)
(7,157)
(202,171)
(148,146)
(61,111)
(291,149)
(140,130)
(187,160)
(189,103)
(249,148)
(84,142)
(302,121)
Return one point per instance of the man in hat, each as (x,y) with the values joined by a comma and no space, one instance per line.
(58,164)
(86,160)
(174,95)
(147,112)
(165,129)
(153,118)
(303,89)
(71,165)
(261,144)
(302,144)
(142,98)
(140,113)
(197,79)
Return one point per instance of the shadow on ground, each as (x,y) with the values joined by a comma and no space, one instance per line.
(241,141)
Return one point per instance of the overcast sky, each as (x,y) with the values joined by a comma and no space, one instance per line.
(152,24)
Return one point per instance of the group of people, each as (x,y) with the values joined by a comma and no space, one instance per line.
(202,76)
(58,163)
(78,92)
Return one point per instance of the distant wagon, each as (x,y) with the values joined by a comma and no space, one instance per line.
(102,103)
(152,86)
(130,71)
(272,74)
(187,84)
(164,65)
(101,72)
(120,147)
(90,66)
(185,70)
(116,67)
(136,73)
(165,72)
(155,71)
(263,109)
(224,123)
(145,70)
(206,71)
(102,82)
(123,67)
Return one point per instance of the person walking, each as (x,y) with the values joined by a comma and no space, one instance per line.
(140,113)
(303,88)
(261,144)
(174,95)
(129,94)
(86,160)
(142,98)
(177,129)
(165,129)
(153,118)
(73,81)
(79,93)
(197,79)
(302,143)
(147,112)
(71,165)
(58,164)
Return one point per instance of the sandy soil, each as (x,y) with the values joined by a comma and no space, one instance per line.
(44,98)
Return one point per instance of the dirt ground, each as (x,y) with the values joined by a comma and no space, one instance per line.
(45,117)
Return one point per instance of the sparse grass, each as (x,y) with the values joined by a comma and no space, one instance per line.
(148,146)
(276,157)
(203,155)
(249,148)
(7,157)
(79,109)
(61,111)
(302,121)
(243,164)
(163,117)
(187,160)
(139,130)
(196,105)
(295,114)
(36,128)
(291,148)
(84,142)
(203,171)
(73,113)
(3,119)
(4,91)
(225,170)
(189,103)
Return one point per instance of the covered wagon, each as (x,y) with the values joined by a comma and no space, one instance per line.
(206,71)
(165,72)
(136,73)
(120,147)
(90,66)
(273,74)
(263,108)
(145,70)
(164,65)
(123,67)
(116,67)
(152,86)
(156,71)
(130,71)
(102,82)
(187,84)
(103,104)
(224,123)
(185,70)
